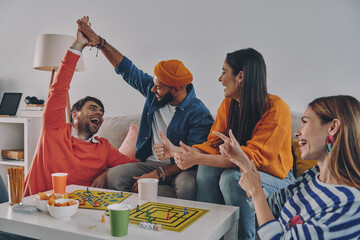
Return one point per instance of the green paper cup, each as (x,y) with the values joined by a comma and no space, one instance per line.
(119,219)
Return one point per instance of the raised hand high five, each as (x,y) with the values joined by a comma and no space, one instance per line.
(85,27)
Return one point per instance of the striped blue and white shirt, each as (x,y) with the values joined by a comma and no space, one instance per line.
(326,211)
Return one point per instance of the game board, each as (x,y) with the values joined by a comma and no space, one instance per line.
(158,212)
(103,199)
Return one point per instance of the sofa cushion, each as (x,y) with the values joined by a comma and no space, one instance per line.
(116,128)
(129,144)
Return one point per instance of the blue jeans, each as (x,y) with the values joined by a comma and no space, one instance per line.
(219,185)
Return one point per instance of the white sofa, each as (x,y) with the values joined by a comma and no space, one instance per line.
(116,128)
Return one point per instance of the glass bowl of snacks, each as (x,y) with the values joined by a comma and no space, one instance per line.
(41,200)
(63,208)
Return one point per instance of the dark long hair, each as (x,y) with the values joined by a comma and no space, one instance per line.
(254,100)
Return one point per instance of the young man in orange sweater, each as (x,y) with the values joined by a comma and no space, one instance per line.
(71,148)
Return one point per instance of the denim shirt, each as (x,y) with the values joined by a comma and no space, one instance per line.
(191,122)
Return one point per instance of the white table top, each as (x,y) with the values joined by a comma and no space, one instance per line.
(218,221)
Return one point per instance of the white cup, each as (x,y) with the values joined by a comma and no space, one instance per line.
(148,188)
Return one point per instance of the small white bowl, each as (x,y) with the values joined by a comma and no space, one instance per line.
(42,204)
(63,213)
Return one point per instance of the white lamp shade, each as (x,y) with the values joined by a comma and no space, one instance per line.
(51,49)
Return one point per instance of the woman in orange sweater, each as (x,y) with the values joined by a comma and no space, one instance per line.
(261,123)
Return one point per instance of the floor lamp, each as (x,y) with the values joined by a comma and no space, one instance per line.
(50,50)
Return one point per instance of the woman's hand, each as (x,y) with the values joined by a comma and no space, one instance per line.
(250,179)
(187,158)
(231,148)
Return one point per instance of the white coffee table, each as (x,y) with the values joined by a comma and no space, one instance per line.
(220,221)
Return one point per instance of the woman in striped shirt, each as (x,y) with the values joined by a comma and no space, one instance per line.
(324,203)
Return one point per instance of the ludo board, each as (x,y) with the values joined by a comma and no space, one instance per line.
(102,199)
(159,212)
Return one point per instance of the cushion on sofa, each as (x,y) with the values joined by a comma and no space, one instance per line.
(116,128)
(129,144)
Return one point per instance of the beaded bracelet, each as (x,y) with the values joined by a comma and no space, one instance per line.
(103,44)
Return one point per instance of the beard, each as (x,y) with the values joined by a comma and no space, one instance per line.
(85,126)
(168,97)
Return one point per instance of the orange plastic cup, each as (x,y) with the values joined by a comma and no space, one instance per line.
(59,182)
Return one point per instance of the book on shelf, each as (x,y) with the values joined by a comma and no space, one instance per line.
(34,108)
(31,113)
(35,105)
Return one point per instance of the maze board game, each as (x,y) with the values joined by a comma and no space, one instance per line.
(158,212)
(102,199)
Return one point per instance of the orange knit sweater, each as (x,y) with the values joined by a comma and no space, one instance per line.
(58,151)
(270,144)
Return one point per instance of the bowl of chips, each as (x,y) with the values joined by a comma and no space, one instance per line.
(63,208)
(41,200)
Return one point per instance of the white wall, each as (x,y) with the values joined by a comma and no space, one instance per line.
(311,47)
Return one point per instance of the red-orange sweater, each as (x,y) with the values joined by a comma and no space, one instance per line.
(270,144)
(58,151)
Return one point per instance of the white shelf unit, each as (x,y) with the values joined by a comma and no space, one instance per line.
(18,133)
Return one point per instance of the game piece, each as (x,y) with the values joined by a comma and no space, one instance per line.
(147,213)
(168,216)
(121,194)
(83,202)
(103,218)
(149,219)
(89,198)
(185,211)
(137,208)
(146,225)
(87,190)
(158,227)
(95,204)
(150,226)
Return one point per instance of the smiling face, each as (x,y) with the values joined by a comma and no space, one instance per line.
(312,136)
(88,120)
(163,92)
(232,84)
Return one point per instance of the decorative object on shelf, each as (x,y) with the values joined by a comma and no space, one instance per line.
(50,50)
(13,154)
(34,107)
(33,101)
